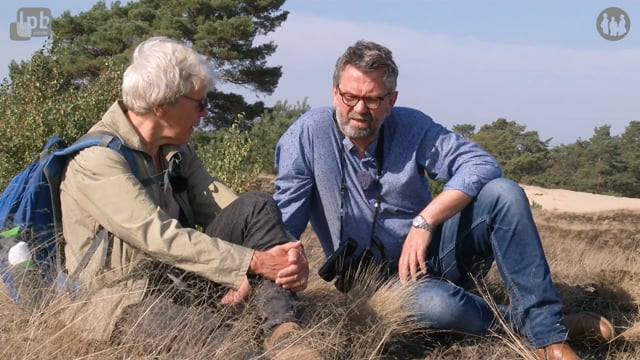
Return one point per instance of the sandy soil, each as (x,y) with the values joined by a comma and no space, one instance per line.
(578,202)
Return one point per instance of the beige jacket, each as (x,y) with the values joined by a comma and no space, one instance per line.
(99,189)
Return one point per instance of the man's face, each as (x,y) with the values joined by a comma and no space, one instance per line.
(362,102)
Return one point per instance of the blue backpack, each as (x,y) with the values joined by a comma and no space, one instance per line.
(30,208)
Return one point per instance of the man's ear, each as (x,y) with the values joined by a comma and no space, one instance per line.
(334,96)
(393,97)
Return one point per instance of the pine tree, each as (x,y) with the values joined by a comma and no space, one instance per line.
(521,153)
(223,30)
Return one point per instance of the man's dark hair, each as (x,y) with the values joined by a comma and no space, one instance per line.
(368,56)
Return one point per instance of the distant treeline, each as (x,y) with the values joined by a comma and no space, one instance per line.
(39,102)
(64,88)
(604,164)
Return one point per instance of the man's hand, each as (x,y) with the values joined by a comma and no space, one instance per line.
(414,250)
(234,297)
(414,254)
(295,277)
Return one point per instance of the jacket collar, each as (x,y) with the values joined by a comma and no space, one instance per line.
(116,122)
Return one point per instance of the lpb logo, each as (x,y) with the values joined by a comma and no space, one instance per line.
(31,22)
(613,23)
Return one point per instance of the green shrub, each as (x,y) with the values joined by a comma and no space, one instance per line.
(225,155)
(266,131)
(39,102)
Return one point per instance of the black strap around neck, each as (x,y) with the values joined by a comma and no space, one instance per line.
(379,159)
(179,184)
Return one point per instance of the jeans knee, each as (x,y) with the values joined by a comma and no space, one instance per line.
(434,306)
(444,306)
(501,186)
(505,192)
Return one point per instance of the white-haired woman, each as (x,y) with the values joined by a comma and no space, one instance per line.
(143,273)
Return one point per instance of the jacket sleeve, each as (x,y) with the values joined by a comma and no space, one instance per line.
(106,190)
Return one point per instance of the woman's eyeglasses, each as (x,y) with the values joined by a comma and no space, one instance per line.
(202,103)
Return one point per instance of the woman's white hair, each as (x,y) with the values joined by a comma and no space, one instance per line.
(161,71)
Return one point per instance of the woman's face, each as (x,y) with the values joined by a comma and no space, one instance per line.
(182,118)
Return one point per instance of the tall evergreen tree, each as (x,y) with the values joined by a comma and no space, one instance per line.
(465,130)
(605,160)
(563,164)
(223,30)
(630,145)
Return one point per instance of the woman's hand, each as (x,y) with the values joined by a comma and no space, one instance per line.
(286,264)
(235,297)
(295,277)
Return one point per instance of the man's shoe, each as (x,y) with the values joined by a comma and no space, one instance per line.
(558,351)
(286,343)
(589,328)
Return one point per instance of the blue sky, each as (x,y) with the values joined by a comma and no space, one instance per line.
(539,63)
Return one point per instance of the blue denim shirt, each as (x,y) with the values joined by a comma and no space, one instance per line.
(310,157)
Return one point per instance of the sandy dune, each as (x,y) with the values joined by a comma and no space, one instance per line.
(578,202)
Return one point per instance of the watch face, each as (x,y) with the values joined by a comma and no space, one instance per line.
(417,221)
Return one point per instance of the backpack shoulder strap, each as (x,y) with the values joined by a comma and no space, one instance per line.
(105,139)
(53,172)
(54,169)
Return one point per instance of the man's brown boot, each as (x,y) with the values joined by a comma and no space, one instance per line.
(558,351)
(285,343)
(589,328)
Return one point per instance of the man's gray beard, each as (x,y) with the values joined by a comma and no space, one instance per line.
(355,132)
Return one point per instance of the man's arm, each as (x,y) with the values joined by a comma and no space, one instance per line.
(466,167)
(294,182)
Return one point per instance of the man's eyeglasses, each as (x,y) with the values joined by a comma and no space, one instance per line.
(202,103)
(352,100)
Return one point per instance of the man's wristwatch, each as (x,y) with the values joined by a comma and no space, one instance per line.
(420,223)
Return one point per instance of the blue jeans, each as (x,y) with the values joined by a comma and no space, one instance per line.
(496,226)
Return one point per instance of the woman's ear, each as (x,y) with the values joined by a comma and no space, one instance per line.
(159,110)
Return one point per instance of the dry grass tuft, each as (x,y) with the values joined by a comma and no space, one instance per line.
(593,258)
